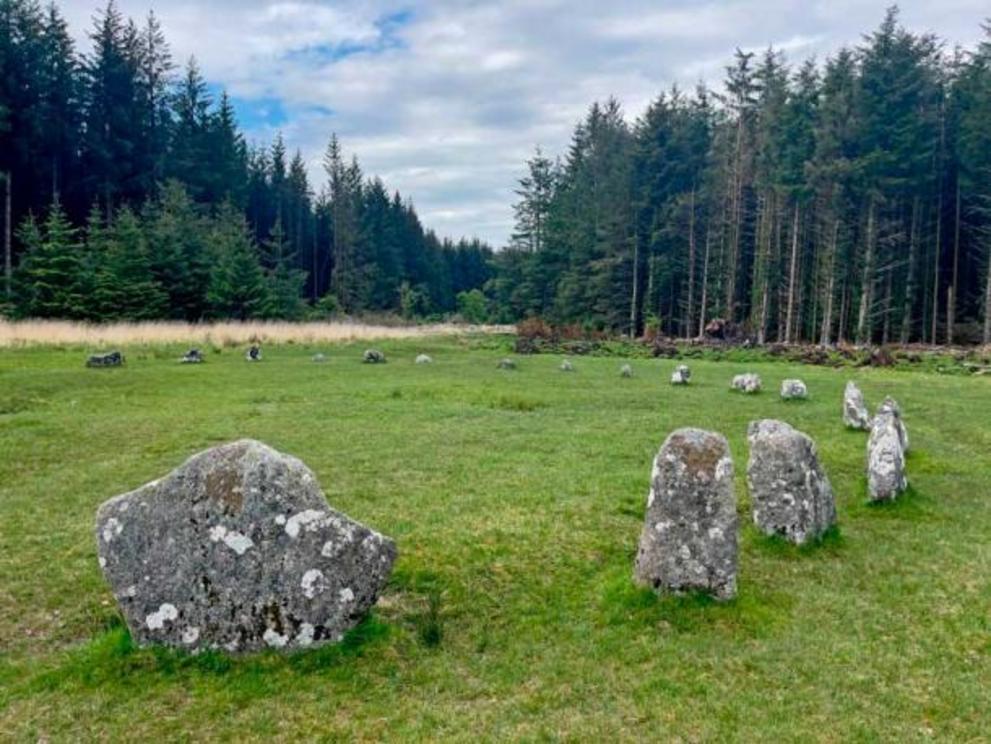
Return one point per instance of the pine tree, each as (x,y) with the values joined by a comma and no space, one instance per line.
(238,286)
(49,279)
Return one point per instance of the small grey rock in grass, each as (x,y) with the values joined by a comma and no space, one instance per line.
(855,413)
(193,356)
(238,550)
(507,363)
(789,490)
(794,390)
(110,359)
(567,366)
(626,371)
(681,375)
(319,358)
(373,356)
(747,383)
(254,354)
(885,458)
(423,359)
(689,537)
(890,405)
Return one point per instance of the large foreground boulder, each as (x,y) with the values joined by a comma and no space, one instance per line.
(791,494)
(237,549)
(885,458)
(855,413)
(689,538)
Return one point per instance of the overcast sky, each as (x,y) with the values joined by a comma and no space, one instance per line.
(445,99)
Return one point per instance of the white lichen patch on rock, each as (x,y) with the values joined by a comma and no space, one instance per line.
(190,635)
(111,528)
(313,583)
(346,594)
(165,613)
(274,639)
(237,542)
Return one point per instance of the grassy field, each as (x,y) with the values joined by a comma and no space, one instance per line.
(516,499)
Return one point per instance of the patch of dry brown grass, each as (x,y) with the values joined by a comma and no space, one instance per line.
(227,333)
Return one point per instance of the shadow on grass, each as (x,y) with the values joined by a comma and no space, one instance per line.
(749,615)
(911,505)
(829,545)
(112,659)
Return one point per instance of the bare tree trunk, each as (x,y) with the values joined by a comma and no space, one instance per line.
(690,314)
(949,315)
(705,281)
(952,311)
(760,270)
(886,325)
(792,273)
(8,267)
(906,328)
(827,316)
(867,286)
(987,302)
(737,211)
(634,294)
(939,237)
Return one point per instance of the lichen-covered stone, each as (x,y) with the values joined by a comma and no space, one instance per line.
(681,375)
(885,458)
(689,538)
(423,359)
(110,359)
(319,358)
(855,413)
(373,356)
(507,363)
(794,390)
(567,366)
(626,371)
(254,353)
(237,549)
(890,405)
(748,383)
(193,356)
(789,490)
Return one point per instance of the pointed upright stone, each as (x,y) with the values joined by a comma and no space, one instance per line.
(855,413)
(886,477)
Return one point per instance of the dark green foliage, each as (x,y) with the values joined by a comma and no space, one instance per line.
(153,160)
(50,278)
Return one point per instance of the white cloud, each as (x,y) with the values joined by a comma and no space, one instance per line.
(450,96)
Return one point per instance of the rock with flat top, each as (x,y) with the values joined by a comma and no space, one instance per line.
(789,490)
(109,359)
(855,413)
(794,390)
(689,537)
(748,383)
(238,550)
(682,375)
(423,359)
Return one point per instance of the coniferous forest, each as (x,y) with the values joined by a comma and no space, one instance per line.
(844,199)
(130,193)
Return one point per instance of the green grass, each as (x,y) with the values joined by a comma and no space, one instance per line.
(516,499)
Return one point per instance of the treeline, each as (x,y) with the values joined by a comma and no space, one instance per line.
(129,192)
(849,200)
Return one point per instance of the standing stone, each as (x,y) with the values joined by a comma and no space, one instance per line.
(193,356)
(791,494)
(319,358)
(681,375)
(423,359)
(237,549)
(567,366)
(855,413)
(885,458)
(794,390)
(626,371)
(890,405)
(254,354)
(689,540)
(110,359)
(507,363)
(748,383)
(373,356)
